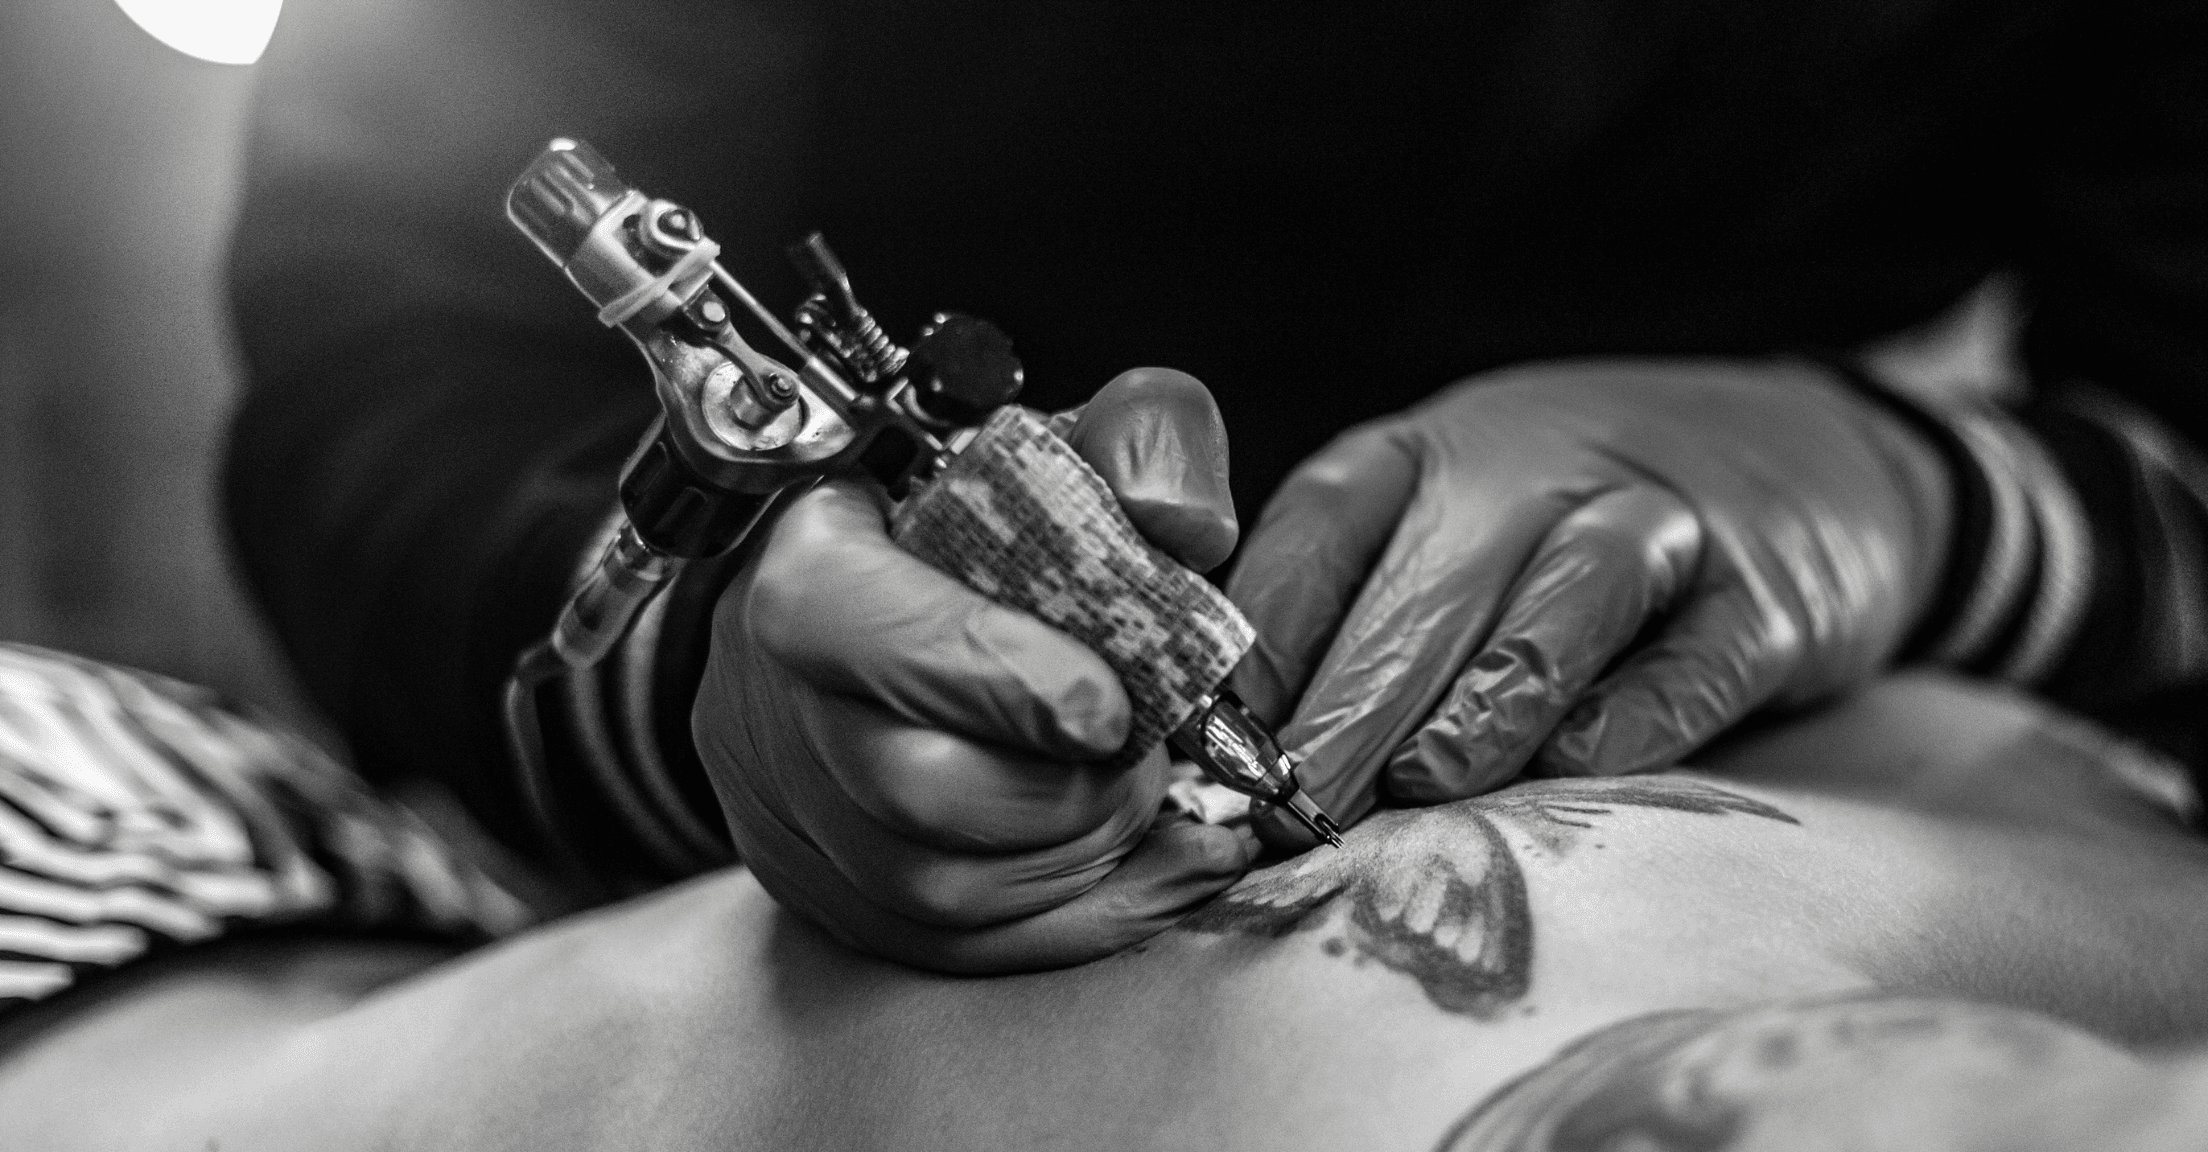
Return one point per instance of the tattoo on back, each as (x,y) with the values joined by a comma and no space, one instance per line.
(1437,894)
(1846,1072)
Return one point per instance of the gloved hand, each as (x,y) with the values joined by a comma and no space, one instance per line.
(1589,567)
(911,766)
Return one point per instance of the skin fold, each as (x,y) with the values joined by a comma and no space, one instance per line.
(1915,920)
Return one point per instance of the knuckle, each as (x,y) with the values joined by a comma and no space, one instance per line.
(776,602)
(912,804)
(787,603)
(1334,470)
(767,622)
(948,791)
(939,893)
(1607,541)
(1780,641)
(1643,526)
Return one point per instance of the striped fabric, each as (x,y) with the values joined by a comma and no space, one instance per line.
(138,813)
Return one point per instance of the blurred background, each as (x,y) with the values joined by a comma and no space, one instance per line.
(120,158)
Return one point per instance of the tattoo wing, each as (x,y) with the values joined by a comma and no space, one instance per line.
(1859,1071)
(1436,893)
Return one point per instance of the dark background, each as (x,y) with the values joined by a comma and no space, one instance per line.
(119,158)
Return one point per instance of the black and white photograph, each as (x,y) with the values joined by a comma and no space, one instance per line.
(963,576)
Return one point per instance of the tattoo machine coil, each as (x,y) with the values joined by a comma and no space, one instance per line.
(993,497)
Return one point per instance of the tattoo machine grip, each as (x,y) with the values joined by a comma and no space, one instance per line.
(1019,517)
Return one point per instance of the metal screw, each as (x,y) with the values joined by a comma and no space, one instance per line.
(711,312)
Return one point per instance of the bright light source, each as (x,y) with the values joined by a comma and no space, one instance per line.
(224,31)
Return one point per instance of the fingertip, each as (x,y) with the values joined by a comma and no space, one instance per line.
(1156,437)
(1198,532)
(1190,850)
(1175,868)
(1438,764)
(1617,736)
(1221,851)
(1570,749)
(1252,847)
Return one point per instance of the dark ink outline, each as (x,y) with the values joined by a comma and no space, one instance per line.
(1437,894)
(1692,1080)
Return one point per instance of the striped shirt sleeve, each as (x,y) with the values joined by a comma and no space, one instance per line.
(138,813)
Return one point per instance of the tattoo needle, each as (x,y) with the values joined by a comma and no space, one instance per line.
(1237,751)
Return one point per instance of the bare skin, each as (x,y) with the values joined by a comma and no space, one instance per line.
(1494,973)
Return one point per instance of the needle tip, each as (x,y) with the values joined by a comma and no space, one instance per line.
(1314,818)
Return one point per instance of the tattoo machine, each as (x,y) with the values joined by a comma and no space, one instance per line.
(991,494)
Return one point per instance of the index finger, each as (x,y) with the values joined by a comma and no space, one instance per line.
(1308,557)
(1430,603)
(1157,439)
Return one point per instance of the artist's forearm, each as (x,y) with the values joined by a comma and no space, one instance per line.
(2077,559)
(2144,493)
(2117,283)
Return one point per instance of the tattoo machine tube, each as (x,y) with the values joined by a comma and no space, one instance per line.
(737,427)
(1021,518)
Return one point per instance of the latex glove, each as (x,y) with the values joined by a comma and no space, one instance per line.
(1590,568)
(911,766)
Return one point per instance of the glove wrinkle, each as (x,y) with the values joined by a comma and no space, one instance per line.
(1725,656)
(1420,619)
(1460,751)
(1615,560)
(1593,567)
(1307,561)
(908,765)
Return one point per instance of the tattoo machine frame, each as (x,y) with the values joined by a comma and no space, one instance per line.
(991,494)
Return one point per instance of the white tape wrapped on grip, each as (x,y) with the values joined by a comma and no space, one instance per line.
(1021,518)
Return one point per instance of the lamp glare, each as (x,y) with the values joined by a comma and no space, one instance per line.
(223,31)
